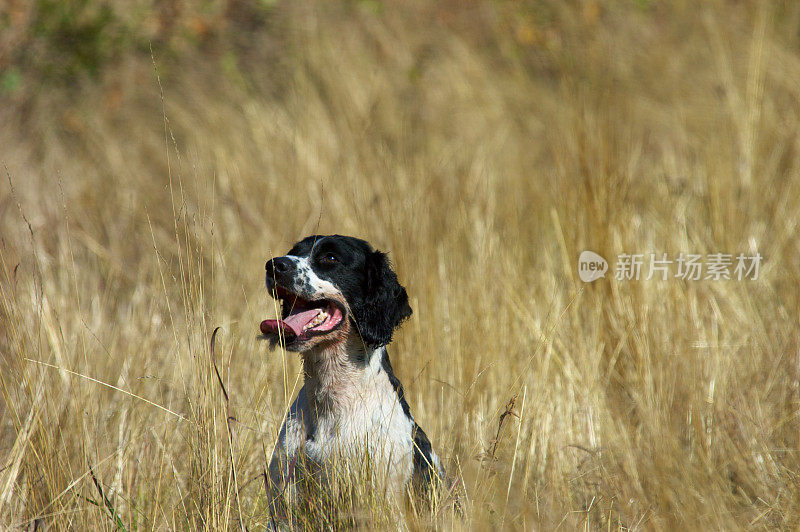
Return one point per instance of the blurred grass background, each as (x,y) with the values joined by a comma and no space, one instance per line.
(156,153)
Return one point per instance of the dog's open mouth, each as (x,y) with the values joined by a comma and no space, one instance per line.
(301,318)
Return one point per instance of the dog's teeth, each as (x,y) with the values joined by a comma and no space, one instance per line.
(321,317)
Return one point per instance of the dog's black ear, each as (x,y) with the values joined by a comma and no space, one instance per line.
(385,303)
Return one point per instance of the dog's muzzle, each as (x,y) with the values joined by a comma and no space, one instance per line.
(300,318)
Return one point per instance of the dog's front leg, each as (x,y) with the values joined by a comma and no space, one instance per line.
(287,459)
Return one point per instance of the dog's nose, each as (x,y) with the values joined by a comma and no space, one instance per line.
(279,265)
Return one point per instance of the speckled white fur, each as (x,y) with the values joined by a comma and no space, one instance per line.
(309,284)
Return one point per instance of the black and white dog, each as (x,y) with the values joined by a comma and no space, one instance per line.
(341,302)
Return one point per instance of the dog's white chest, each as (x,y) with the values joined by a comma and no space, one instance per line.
(367,420)
(373,423)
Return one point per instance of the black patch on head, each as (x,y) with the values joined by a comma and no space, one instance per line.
(304,247)
(384,305)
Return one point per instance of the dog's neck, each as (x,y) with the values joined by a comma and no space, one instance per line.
(336,375)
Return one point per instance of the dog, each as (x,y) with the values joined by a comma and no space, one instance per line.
(341,303)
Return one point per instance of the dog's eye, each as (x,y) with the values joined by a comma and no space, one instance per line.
(328,259)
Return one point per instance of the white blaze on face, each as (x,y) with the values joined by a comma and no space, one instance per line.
(310,285)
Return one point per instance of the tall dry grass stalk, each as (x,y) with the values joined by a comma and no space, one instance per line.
(484,146)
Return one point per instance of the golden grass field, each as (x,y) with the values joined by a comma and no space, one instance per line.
(484,145)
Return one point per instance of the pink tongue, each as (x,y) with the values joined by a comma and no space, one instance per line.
(295,322)
(299,320)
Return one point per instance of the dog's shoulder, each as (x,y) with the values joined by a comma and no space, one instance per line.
(427,468)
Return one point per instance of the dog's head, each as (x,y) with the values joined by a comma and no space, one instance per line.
(331,287)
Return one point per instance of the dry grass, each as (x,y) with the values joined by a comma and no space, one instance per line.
(485,146)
